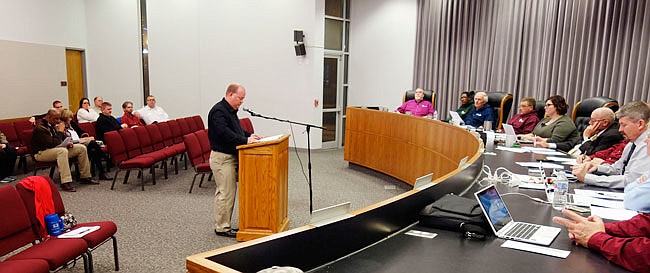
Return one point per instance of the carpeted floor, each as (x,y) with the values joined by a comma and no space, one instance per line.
(159,227)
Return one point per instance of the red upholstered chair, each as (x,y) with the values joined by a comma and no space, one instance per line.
(25,266)
(185,128)
(27,138)
(158,143)
(247,125)
(196,157)
(190,123)
(199,122)
(118,150)
(89,128)
(168,141)
(176,131)
(16,232)
(105,233)
(13,138)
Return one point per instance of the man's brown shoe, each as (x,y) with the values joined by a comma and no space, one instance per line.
(88,181)
(68,187)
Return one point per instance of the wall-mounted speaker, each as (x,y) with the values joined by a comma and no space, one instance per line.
(300,49)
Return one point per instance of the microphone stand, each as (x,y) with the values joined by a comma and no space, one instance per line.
(308,126)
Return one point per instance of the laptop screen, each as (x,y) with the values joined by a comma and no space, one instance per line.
(494,208)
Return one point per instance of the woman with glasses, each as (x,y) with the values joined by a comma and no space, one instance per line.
(556,126)
(85,112)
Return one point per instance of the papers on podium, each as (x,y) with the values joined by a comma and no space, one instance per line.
(270,138)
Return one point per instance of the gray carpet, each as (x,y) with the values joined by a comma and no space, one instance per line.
(160,227)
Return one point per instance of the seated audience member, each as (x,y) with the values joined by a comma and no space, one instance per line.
(525,121)
(466,103)
(106,122)
(97,104)
(7,160)
(151,113)
(56,104)
(633,163)
(637,193)
(47,137)
(129,118)
(80,136)
(85,113)
(601,133)
(481,111)
(417,107)
(556,127)
(625,243)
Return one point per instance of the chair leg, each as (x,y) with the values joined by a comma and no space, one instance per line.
(126,176)
(51,172)
(142,177)
(175,160)
(210,177)
(193,180)
(115,178)
(23,162)
(165,168)
(91,268)
(115,256)
(202,177)
(153,174)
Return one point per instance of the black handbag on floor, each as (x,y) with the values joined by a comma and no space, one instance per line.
(455,213)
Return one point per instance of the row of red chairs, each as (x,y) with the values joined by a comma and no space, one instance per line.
(13,132)
(142,147)
(21,227)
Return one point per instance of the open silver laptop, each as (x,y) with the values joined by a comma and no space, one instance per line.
(505,227)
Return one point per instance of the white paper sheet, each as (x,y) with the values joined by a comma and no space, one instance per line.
(545,165)
(612,214)
(514,150)
(600,194)
(269,138)
(554,252)
(79,232)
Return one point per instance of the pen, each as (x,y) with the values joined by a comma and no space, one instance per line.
(534,140)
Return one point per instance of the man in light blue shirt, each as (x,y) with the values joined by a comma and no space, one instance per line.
(637,193)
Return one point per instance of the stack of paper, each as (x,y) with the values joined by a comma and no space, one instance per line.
(79,232)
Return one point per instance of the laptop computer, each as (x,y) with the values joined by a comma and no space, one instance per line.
(505,227)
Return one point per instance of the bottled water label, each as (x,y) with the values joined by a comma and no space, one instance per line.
(561,191)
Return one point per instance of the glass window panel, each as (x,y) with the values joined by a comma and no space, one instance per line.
(334,8)
(330,82)
(347,9)
(329,122)
(343,135)
(333,34)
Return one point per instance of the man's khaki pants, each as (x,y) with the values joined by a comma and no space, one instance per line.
(61,155)
(224,169)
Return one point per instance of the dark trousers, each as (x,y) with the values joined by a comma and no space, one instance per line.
(96,155)
(7,161)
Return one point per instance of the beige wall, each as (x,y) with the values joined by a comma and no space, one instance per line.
(30,78)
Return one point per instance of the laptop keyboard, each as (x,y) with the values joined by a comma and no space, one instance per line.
(522,230)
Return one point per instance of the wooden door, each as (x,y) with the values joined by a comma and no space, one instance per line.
(74,67)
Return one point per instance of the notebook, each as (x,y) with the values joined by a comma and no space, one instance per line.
(505,227)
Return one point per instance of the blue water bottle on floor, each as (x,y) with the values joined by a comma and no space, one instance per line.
(54,224)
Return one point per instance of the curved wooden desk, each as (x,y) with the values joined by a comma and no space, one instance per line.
(401,146)
(405,147)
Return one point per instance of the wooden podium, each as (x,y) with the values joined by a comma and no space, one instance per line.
(263,190)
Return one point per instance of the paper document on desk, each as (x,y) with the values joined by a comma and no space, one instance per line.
(615,204)
(612,214)
(514,150)
(79,232)
(536,249)
(65,142)
(600,194)
(270,138)
(545,165)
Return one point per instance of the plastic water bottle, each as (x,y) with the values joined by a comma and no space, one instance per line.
(561,191)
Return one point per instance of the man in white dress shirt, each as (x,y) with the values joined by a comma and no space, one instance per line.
(151,113)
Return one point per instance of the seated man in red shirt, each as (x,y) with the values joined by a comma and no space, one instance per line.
(129,118)
(527,119)
(625,243)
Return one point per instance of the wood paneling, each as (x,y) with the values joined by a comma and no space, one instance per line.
(263,188)
(405,147)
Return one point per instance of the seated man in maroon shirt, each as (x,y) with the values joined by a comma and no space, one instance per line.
(625,243)
(525,121)
(129,118)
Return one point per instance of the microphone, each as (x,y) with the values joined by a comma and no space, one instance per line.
(253,113)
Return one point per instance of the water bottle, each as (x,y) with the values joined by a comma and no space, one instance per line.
(561,191)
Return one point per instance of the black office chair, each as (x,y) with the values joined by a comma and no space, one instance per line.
(539,108)
(581,113)
(501,103)
(429,95)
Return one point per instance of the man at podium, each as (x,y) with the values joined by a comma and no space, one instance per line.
(225,135)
